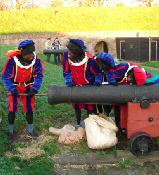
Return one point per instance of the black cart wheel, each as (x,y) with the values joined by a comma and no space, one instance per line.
(141,144)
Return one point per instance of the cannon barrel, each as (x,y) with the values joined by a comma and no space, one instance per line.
(106,94)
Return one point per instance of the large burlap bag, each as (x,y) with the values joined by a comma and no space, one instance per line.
(100,132)
(68,135)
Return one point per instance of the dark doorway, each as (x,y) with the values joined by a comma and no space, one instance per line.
(101,47)
(122,49)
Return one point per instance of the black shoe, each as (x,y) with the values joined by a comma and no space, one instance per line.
(33,135)
(78,126)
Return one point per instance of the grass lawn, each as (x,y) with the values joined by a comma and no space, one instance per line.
(89,19)
(11,161)
(154,64)
(44,117)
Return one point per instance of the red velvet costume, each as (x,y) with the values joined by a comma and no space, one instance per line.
(86,72)
(22,78)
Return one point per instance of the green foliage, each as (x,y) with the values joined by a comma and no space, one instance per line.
(7,167)
(124,163)
(153,71)
(151,67)
(82,148)
(111,151)
(36,166)
(51,148)
(79,19)
(154,64)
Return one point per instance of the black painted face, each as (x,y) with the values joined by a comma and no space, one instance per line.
(75,53)
(71,55)
(131,78)
(29,57)
(103,64)
(29,49)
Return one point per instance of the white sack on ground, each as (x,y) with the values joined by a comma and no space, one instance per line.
(68,135)
(100,132)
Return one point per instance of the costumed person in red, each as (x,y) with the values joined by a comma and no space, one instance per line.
(80,69)
(22,73)
(122,73)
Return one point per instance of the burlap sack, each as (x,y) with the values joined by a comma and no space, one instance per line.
(100,132)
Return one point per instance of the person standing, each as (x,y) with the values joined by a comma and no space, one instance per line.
(56,46)
(80,69)
(48,44)
(22,73)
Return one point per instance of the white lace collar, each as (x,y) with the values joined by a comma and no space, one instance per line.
(129,68)
(22,66)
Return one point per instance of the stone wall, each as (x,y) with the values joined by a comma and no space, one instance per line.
(40,39)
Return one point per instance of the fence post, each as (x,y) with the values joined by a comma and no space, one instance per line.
(149,48)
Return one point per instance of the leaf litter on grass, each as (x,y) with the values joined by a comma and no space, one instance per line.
(33,148)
